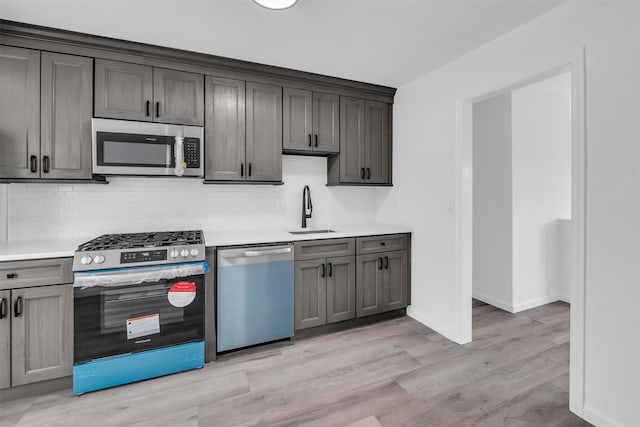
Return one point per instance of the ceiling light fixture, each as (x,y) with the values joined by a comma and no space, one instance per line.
(276,4)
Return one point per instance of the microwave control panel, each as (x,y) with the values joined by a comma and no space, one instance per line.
(192,152)
(143,256)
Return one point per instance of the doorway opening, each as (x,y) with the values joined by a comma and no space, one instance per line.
(555,272)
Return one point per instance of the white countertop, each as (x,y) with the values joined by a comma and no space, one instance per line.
(58,248)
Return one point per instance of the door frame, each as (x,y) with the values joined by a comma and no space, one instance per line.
(575,64)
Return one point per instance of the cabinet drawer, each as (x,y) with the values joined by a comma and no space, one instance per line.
(387,242)
(313,249)
(24,274)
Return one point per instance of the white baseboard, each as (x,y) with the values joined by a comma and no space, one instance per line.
(598,419)
(564,298)
(493,301)
(430,323)
(537,302)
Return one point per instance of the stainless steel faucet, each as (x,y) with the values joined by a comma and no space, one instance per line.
(306,205)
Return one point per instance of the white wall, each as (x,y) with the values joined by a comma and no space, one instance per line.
(43,211)
(541,121)
(425,117)
(492,202)
(4,211)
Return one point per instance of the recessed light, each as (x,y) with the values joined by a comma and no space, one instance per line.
(276,4)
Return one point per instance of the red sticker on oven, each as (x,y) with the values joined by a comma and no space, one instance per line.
(182,294)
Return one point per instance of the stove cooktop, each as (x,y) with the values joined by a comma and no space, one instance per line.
(111,251)
(143,240)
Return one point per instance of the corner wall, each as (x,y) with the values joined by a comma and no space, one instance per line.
(424,164)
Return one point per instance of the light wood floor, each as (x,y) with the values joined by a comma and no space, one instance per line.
(396,373)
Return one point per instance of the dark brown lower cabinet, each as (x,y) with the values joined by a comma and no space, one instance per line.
(5,340)
(324,291)
(381,282)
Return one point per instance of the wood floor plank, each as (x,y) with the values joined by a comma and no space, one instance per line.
(393,373)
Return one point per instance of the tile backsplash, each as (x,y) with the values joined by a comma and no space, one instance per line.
(128,204)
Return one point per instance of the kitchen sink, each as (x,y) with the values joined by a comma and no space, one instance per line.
(311,231)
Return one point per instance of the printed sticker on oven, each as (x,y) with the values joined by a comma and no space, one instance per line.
(143,326)
(181,294)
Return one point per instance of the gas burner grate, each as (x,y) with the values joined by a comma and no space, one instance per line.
(143,240)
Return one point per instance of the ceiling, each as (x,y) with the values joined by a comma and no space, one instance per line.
(388,42)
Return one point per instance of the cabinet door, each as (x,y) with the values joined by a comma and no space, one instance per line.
(19,112)
(395,288)
(326,121)
(178,97)
(42,333)
(224,129)
(297,119)
(352,140)
(67,94)
(369,277)
(376,138)
(264,132)
(310,294)
(5,339)
(341,288)
(123,90)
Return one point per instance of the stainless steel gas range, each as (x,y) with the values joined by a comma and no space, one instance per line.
(138,307)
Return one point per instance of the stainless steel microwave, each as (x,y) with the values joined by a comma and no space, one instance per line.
(123,147)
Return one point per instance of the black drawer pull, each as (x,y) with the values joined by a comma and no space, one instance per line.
(316,136)
(309,140)
(383,243)
(362,173)
(12,275)
(379,263)
(3,308)
(241,169)
(368,173)
(323,271)
(33,164)
(148,108)
(158,109)
(46,164)
(386,262)
(17,307)
(330,269)
(249,168)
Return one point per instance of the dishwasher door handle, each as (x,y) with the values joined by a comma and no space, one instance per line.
(253,254)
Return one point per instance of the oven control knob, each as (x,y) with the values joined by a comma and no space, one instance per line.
(99,259)
(173,253)
(86,260)
(184,252)
(194,252)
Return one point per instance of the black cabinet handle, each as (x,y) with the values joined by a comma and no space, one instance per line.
(362,173)
(368,173)
(316,137)
(241,169)
(330,269)
(379,263)
(3,308)
(386,263)
(17,307)
(383,243)
(148,108)
(323,271)
(12,275)
(46,164)
(249,168)
(33,164)
(158,109)
(309,140)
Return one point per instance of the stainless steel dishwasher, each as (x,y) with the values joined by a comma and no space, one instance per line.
(255,295)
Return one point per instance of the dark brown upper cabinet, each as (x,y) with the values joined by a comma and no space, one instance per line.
(143,93)
(310,122)
(365,144)
(243,132)
(45,115)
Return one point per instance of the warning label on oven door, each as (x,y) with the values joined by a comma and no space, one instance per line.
(182,294)
(143,326)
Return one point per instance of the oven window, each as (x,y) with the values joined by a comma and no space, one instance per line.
(125,153)
(125,303)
